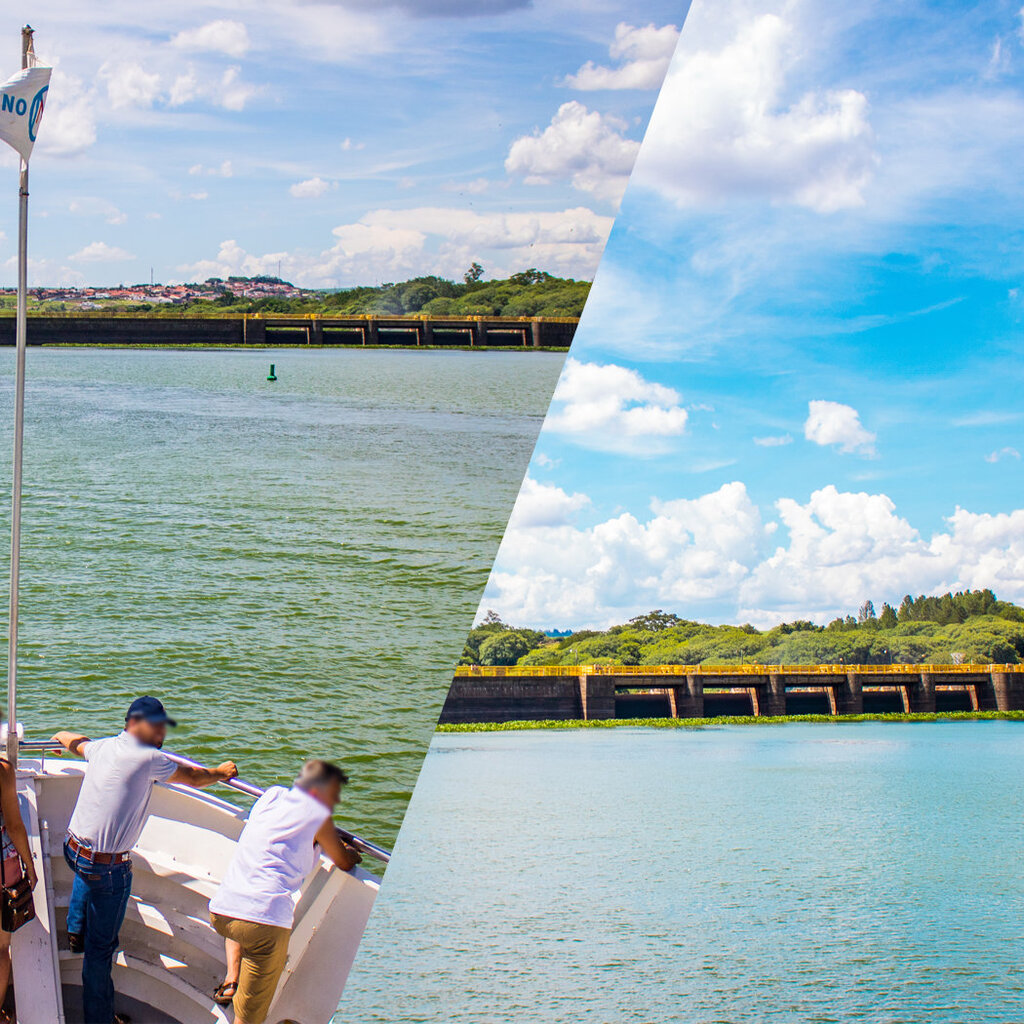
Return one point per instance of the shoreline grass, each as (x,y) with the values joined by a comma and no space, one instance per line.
(703,723)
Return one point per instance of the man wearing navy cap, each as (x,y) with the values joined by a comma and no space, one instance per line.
(106,824)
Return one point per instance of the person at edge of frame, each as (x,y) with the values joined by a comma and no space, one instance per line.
(106,824)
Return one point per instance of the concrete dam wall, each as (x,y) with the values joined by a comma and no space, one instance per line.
(141,329)
(563,693)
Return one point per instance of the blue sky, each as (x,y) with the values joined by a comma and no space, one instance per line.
(352,142)
(797,382)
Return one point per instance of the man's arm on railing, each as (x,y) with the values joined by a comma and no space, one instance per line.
(197,777)
(335,848)
(71,741)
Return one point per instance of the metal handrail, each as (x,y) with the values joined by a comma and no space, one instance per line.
(241,786)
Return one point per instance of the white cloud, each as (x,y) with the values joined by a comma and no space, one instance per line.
(128,84)
(541,504)
(223,170)
(475,187)
(220,36)
(581,145)
(184,89)
(644,52)
(709,558)
(311,188)
(832,423)
(773,441)
(348,145)
(1002,453)
(613,408)
(227,90)
(100,252)
(687,552)
(845,547)
(386,244)
(234,93)
(723,129)
(69,123)
(92,206)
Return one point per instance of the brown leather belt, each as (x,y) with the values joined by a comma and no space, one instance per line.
(97,858)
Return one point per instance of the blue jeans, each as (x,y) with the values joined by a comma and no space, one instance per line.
(99,898)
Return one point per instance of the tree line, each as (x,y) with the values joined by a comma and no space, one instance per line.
(529,293)
(969,626)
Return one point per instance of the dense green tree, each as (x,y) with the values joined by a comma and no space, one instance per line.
(504,648)
(973,625)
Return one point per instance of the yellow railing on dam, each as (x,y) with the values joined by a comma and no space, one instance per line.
(524,671)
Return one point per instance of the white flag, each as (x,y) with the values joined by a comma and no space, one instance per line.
(22,98)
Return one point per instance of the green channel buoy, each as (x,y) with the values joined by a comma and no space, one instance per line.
(271,375)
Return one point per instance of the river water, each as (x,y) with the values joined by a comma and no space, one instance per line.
(291,566)
(819,873)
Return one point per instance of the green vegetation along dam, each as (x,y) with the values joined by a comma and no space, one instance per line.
(574,692)
(148,329)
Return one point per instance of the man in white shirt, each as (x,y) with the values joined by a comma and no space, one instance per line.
(106,824)
(254,909)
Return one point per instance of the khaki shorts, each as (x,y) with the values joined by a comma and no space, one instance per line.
(264,952)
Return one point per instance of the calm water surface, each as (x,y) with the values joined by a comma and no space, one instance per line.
(291,566)
(820,873)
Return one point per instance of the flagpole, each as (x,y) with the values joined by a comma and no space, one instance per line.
(19,433)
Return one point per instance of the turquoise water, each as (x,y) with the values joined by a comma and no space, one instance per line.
(820,873)
(291,566)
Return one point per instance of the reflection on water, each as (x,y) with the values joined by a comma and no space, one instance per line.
(291,566)
(854,872)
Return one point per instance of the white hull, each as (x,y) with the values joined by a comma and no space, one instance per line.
(171,959)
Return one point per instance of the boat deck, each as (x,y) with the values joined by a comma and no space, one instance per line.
(171,959)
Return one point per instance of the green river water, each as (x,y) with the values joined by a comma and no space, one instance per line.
(290,566)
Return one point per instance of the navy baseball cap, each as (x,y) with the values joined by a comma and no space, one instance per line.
(151,710)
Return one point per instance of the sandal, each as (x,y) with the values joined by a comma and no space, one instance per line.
(222,997)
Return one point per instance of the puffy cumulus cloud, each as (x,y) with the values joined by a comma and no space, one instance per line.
(100,252)
(722,128)
(644,54)
(832,423)
(585,147)
(128,84)
(226,89)
(545,505)
(69,122)
(688,552)
(711,557)
(311,188)
(613,408)
(221,36)
(387,244)
(844,547)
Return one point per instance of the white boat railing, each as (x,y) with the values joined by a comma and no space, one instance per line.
(363,846)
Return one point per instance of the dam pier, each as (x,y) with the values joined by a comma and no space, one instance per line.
(241,330)
(586,692)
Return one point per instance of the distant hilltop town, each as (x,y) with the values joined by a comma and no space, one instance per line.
(213,289)
(531,293)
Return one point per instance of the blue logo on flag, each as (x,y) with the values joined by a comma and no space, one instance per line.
(38,102)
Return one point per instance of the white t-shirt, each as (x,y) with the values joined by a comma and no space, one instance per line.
(118,783)
(274,855)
